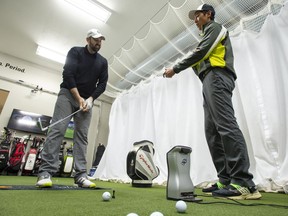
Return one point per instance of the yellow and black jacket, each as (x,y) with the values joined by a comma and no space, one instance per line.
(214,50)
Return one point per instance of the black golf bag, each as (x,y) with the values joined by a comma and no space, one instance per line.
(140,166)
(5,147)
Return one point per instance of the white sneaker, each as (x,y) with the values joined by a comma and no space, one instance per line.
(44,181)
(85,183)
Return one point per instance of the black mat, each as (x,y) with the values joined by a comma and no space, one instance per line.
(54,187)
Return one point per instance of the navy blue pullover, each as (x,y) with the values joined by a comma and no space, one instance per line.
(87,72)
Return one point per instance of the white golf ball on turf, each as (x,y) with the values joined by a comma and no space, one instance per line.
(106,196)
(181,206)
(156,214)
(132,214)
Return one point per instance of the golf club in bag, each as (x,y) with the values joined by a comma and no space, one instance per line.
(39,122)
(140,166)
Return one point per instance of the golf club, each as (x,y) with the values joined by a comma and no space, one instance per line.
(39,123)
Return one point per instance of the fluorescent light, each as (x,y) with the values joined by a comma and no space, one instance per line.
(91,8)
(27,122)
(29,113)
(50,54)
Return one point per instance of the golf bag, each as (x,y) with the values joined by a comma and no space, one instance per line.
(32,156)
(38,157)
(61,159)
(5,149)
(17,158)
(99,153)
(68,163)
(179,183)
(140,166)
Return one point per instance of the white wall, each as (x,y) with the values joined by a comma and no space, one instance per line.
(20,97)
(169,112)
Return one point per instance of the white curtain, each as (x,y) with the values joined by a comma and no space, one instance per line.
(168,112)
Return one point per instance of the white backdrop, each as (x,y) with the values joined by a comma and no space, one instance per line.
(169,112)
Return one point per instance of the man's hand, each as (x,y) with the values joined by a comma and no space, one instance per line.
(78,98)
(81,103)
(169,72)
(88,104)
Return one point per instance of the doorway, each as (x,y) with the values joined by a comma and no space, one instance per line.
(3,96)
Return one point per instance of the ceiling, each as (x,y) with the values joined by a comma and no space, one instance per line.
(55,24)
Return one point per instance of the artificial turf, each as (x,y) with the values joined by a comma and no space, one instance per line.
(142,201)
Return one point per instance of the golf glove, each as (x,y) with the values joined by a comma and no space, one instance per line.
(89,103)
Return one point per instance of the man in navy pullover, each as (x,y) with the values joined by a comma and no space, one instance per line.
(85,76)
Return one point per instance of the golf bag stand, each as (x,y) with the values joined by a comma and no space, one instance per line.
(140,166)
(179,183)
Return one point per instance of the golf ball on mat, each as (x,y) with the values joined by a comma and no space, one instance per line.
(156,214)
(106,196)
(181,206)
(132,214)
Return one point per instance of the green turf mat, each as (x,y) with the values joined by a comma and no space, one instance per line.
(142,201)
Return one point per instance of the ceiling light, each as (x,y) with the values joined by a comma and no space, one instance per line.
(50,54)
(91,8)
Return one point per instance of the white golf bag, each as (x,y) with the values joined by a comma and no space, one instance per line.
(140,166)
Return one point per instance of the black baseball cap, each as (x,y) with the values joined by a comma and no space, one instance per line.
(203,7)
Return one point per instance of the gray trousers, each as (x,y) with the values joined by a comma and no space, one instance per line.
(225,140)
(65,105)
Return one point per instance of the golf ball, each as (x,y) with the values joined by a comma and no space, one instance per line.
(181,206)
(106,196)
(156,214)
(132,214)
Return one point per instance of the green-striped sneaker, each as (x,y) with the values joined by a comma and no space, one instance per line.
(237,192)
(44,181)
(217,186)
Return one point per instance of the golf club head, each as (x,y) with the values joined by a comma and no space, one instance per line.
(39,124)
(25,137)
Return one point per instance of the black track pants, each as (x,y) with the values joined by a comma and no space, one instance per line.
(225,140)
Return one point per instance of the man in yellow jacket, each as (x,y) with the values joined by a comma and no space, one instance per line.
(212,61)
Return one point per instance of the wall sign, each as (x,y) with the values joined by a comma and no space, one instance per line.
(12,67)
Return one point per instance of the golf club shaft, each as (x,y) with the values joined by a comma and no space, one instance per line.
(57,122)
(51,125)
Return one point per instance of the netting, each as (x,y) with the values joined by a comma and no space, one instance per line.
(170,35)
